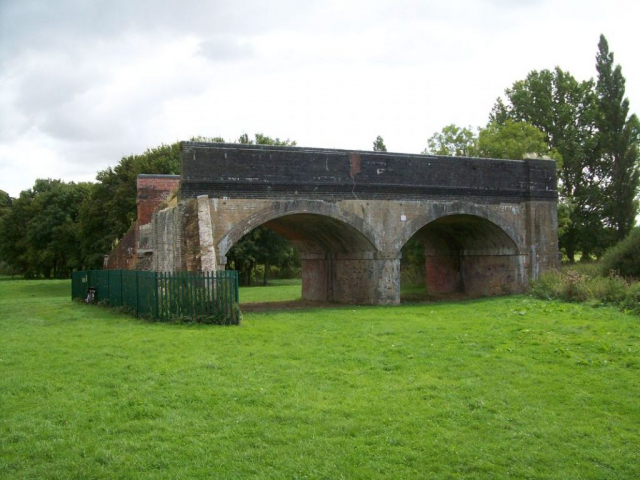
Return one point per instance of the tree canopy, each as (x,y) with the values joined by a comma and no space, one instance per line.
(589,125)
(508,140)
(452,141)
(378,145)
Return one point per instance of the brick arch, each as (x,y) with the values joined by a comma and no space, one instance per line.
(478,211)
(282,209)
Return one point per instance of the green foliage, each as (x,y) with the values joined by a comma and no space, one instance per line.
(260,139)
(412,263)
(591,287)
(111,211)
(589,125)
(200,138)
(13,232)
(5,201)
(500,388)
(41,230)
(264,247)
(565,207)
(378,145)
(508,139)
(452,141)
(564,110)
(619,134)
(624,258)
(514,140)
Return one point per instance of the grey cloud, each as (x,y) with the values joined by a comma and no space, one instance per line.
(49,86)
(226,49)
(45,24)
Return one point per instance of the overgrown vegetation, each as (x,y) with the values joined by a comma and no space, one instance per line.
(624,258)
(615,280)
(499,388)
(595,290)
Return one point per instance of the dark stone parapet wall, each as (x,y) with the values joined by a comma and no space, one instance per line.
(256,171)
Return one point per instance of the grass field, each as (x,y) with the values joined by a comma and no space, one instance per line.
(276,291)
(499,388)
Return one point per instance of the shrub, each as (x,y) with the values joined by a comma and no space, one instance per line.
(548,286)
(575,287)
(571,286)
(624,258)
(631,300)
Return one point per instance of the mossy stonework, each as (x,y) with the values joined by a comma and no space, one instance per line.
(488,226)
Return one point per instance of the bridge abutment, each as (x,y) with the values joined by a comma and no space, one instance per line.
(367,278)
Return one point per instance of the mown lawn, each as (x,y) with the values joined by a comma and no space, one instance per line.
(276,291)
(498,388)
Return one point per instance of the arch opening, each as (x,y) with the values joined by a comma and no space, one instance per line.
(338,262)
(464,254)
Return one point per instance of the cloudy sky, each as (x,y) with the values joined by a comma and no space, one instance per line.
(83,83)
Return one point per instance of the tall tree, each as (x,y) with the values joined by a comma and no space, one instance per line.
(378,145)
(13,234)
(5,207)
(619,133)
(564,110)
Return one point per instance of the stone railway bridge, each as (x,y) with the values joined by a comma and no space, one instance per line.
(488,226)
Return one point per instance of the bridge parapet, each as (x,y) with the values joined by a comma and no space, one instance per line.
(257,171)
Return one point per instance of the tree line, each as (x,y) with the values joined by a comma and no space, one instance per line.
(56,227)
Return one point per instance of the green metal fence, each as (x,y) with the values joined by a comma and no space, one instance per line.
(207,297)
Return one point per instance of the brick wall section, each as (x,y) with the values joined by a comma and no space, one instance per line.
(123,256)
(152,191)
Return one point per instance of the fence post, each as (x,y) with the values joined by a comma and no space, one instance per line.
(155,295)
(109,287)
(137,294)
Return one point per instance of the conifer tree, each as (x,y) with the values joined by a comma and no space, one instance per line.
(618,134)
(378,145)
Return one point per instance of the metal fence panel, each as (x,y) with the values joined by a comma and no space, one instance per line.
(79,285)
(208,297)
(102,285)
(147,294)
(115,287)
